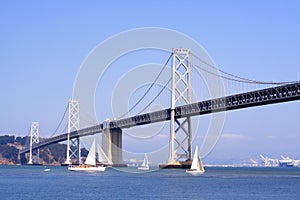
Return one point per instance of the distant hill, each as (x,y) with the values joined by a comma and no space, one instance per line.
(9,149)
(54,154)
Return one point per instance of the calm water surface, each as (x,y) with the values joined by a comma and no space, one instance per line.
(31,182)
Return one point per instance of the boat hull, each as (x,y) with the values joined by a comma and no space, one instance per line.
(195,172)
(143,168)
(87,169)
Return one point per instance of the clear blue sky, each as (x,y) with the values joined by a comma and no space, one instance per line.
(43,44)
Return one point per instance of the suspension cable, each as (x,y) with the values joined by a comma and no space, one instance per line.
(88,118)
(152,84)
(245,80)
(60,122)
(224,77)
(28,138)
(155,97)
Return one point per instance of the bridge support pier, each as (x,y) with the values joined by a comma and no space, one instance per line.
(112,143)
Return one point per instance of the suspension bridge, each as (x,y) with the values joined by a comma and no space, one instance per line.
(179,113)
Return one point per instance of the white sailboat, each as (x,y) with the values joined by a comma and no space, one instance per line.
(145,164)
(197,167)
(90,162)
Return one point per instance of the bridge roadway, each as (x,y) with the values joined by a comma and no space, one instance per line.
(279,94)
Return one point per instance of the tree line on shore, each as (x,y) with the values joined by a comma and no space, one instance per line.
(53,154)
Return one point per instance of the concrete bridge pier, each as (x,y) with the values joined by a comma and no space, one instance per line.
(112,144)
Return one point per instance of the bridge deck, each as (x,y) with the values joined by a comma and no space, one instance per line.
(279,94)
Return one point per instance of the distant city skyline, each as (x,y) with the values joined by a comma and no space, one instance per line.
(43,45)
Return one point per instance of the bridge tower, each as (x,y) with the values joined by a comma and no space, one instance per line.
(73,145)
(180,129)
(34,139)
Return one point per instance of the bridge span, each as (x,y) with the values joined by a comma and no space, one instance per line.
(273,95)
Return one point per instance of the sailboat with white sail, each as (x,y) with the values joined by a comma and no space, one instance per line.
(197,168)
(145,164)
(92,158)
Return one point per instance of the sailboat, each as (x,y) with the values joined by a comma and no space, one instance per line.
(145,164)
(90,162)
(197,167)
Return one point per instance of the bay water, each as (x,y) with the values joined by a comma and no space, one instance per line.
(31,182)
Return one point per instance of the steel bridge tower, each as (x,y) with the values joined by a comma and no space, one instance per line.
(73,145)
(34,139)
(180,129)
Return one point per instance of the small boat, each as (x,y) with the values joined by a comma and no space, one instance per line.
(145,164)
(47,169)
(197,168)
(90,162)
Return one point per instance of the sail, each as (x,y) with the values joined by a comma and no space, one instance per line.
(91,160)
(101,155)
(200,165)
(145,162)
(197,167)
(195,164)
